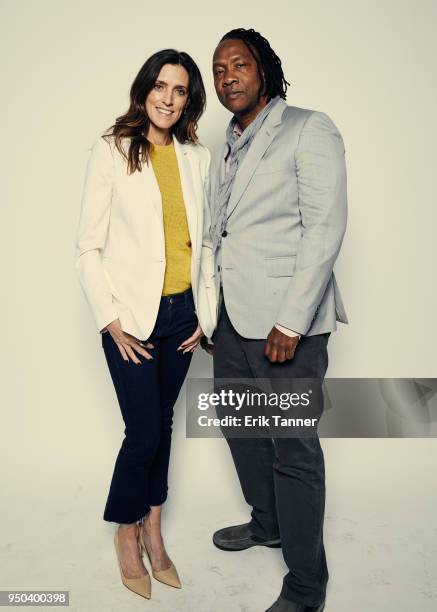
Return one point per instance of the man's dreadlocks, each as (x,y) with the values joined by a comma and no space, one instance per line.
(269,64)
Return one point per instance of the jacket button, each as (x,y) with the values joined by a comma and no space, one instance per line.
(224,234)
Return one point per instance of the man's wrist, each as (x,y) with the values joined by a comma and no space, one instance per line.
(287,331)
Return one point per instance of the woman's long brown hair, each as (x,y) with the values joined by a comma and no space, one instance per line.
(134,124)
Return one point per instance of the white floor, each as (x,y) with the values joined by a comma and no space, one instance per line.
(380,532)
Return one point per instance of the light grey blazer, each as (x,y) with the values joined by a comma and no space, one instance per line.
(286,220)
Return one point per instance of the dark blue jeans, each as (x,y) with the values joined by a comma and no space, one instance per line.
(147,394)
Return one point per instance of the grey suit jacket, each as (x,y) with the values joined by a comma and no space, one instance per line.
(286,220)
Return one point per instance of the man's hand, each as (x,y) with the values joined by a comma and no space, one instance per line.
(280,347)
(209,348)
(127,344)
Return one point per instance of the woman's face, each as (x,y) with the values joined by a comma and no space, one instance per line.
(167,99)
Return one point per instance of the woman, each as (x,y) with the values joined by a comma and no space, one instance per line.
(148,279)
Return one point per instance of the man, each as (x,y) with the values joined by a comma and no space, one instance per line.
(278,206)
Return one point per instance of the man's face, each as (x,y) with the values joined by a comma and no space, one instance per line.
(236,78)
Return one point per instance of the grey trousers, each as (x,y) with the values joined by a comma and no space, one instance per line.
(282,479)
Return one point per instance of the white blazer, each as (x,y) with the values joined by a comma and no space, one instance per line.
(120,242)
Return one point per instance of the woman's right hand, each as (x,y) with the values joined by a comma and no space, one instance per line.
(127,344)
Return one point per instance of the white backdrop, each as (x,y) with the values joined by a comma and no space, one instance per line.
(67,69)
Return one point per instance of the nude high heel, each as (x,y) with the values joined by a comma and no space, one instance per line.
(140,586)
(168,576)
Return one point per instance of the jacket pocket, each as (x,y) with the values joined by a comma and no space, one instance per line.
(280,266)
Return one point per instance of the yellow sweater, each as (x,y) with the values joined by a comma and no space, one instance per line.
(177,238)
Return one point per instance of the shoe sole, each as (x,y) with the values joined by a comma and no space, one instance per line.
(273,545)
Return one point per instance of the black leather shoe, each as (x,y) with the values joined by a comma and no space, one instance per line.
(240,537)
(284,605)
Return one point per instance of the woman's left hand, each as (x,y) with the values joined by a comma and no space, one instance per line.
(191,343)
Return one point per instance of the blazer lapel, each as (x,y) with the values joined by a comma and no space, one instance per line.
(151,187)
(253,156)
(185,172)
(144,188)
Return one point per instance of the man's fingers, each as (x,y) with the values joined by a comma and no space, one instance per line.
(274,355)
(281,355)
(289,353)
(271,353)
(279,351)
(207,347)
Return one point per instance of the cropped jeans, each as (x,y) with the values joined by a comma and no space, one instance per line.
(147,393)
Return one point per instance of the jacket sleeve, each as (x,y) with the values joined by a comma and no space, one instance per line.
(93,230)
(206,238)
(322,197)
(207,293)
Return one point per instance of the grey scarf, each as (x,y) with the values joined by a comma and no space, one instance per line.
(238,147)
